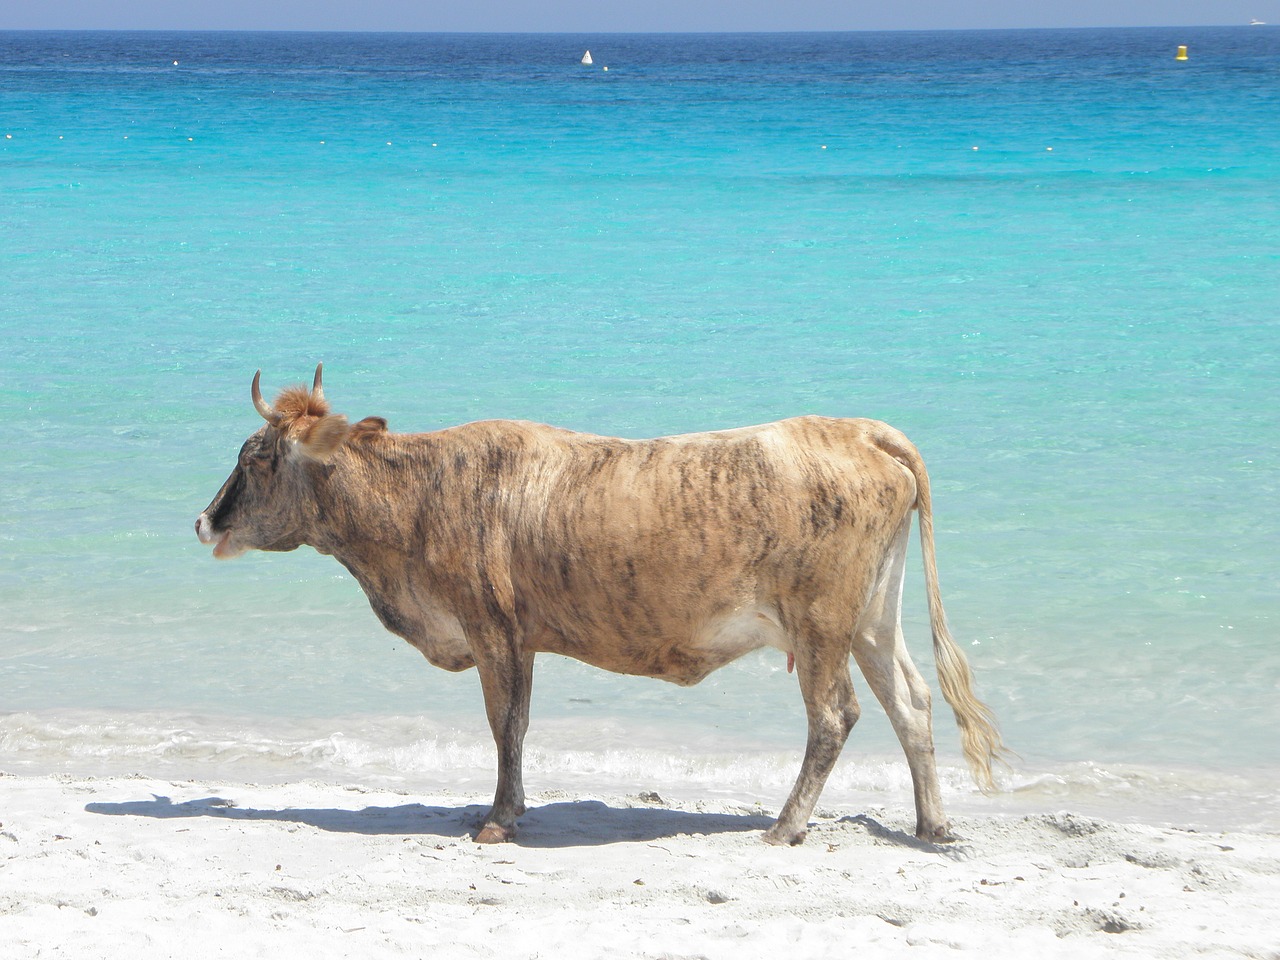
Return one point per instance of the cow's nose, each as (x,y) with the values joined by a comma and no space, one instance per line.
(204,529)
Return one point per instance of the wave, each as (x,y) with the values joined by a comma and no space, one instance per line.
(408,753)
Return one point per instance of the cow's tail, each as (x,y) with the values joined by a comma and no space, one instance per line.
(979,736)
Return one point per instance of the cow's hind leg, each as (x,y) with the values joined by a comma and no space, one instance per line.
(881,653)
(822,666)
(508,684)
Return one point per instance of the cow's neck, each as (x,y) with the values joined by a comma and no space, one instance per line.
(367,504)
(374,515)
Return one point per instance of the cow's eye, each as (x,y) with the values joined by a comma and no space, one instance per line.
(262,463)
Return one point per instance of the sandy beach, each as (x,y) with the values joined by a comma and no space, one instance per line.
(133,866)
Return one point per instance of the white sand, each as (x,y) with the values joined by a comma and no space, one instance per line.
(135,867)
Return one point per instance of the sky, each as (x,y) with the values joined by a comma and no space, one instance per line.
(601,16)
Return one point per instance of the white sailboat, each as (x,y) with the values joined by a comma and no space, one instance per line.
(586,58)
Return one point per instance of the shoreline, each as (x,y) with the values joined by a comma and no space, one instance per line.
(418,754)
(116,865)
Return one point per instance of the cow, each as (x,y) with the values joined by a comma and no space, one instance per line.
(486,544)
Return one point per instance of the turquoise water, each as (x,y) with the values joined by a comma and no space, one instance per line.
(1051,257)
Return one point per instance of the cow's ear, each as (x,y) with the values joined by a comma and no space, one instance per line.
(321,438)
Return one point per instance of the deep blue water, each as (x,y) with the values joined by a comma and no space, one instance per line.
(1051,257)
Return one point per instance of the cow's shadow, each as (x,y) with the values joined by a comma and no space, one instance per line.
(571,824)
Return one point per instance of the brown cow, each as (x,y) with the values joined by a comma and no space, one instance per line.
(488,543)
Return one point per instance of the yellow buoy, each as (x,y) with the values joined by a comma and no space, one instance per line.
(1182,53)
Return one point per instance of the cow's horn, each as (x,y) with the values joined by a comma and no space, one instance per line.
(261,405)
(317,388)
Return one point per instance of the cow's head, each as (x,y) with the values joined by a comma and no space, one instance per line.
(266,502)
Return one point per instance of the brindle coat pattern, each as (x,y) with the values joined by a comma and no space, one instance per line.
(486,544)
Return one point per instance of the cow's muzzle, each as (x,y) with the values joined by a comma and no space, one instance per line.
(222,548)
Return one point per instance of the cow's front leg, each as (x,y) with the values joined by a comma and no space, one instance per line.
(507,680)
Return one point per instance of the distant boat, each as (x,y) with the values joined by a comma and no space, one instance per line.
(586,57)
(1257,23)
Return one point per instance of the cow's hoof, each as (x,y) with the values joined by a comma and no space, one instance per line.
(939,834)
(495,833)
(784,838)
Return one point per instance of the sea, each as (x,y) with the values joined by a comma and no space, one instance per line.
(1051,257)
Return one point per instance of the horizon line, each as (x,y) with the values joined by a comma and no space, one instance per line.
(586,32)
